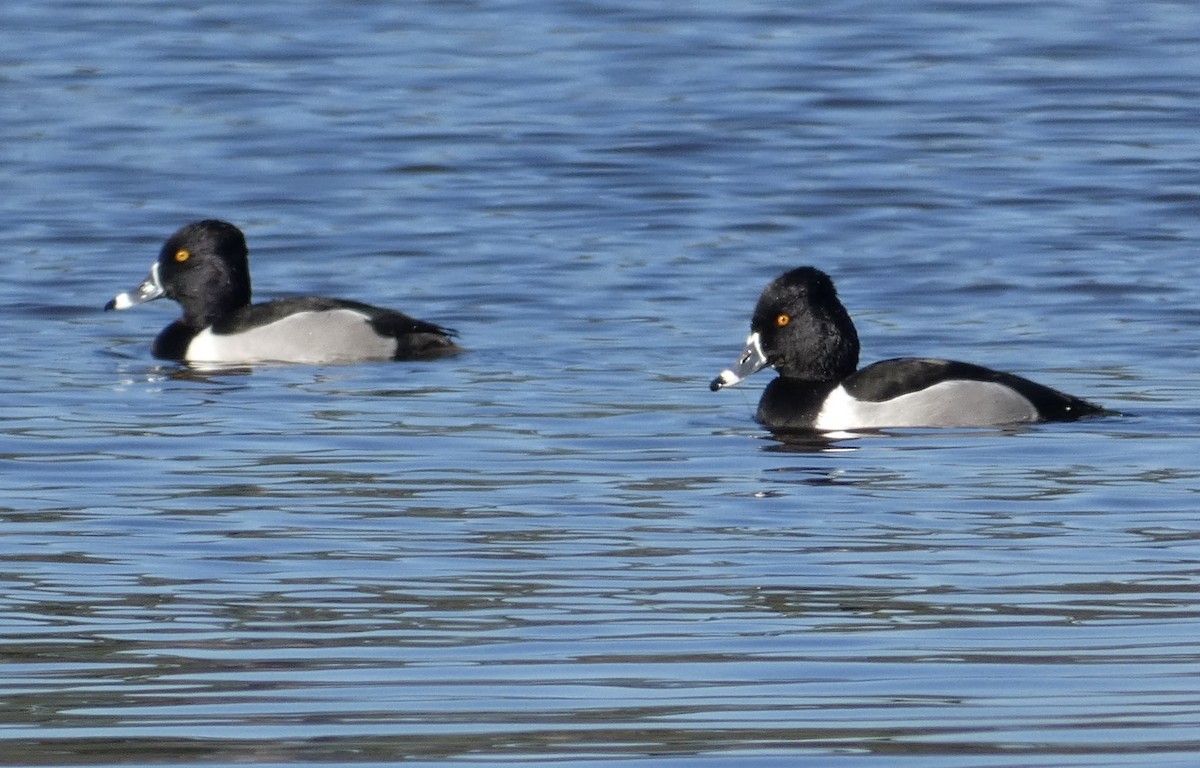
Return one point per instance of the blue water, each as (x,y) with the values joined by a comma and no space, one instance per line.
(561,547)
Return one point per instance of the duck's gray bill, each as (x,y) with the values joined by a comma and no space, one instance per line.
(752,359)
(150,289)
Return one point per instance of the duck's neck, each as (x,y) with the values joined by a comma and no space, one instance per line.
(201,311)
(822,359)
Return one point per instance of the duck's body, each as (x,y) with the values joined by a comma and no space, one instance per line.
(204,266)
(309,329)
(801,328)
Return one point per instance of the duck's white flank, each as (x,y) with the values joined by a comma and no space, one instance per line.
(957,403)
(305,337)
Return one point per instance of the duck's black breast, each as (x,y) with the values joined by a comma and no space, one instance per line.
(789,403)
(172,342)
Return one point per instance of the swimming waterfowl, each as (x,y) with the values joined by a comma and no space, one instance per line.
(801,328)
(205,267)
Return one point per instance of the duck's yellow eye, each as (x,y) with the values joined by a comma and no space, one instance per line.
(783,320)
(183,254)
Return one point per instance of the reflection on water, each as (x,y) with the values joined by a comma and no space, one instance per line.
(561,546)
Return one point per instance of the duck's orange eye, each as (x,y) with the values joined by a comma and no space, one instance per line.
(183,254)
(783,320)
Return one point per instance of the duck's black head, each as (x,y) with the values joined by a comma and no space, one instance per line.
(205,267)
(801,328)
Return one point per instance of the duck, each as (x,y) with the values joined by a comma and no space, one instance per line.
(204,266)
(800,328)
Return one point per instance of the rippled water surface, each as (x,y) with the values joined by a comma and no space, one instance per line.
(560,547)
